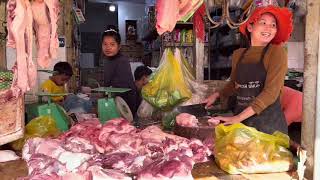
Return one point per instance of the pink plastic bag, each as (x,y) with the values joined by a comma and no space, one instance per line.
(291,104)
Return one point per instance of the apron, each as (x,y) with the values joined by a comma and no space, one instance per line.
(250,79)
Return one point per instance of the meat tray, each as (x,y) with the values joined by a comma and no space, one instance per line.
(204,130)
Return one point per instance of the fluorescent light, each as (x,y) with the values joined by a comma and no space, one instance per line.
(112,8)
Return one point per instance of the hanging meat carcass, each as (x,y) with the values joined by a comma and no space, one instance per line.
(22,18)
(19,20)
(45,15)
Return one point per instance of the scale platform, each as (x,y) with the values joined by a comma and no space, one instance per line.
(113,107)
(49,109)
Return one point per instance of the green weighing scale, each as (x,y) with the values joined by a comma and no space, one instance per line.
(112,107)
(49,109)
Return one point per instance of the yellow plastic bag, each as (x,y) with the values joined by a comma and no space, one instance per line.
(43,126)
(167,86)
(241,149)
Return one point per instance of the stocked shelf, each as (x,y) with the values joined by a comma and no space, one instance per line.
(172,44)
(184,25)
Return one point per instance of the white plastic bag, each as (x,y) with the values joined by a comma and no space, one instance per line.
(145,110)
(198,89)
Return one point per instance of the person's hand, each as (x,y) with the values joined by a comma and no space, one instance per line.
(210,100)
(229,120)
(85,90)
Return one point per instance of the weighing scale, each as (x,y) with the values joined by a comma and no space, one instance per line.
(113,107)
(49,109)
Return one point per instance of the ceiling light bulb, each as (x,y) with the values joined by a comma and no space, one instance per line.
(112,8)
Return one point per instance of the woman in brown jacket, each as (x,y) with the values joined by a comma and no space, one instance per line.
(258,72)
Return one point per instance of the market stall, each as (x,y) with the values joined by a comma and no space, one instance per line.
(95,132)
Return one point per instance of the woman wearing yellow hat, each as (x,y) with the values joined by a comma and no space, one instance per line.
(258,72)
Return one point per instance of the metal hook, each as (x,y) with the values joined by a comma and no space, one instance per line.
(226,16)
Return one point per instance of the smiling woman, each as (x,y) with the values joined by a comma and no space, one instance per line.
(258,72)
(263,31)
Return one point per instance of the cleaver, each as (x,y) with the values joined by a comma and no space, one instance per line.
(197,110)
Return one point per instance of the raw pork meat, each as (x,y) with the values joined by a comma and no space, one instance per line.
(20,37)
(45,15)
(155,134)
(78,144)
(115,125)
(126,162)
(53,6)
(77,176)
(173,167)
(109,151)
(199,151)
(42,30)
(43,164)
(22,17)
(187,120)
(165,9)
(7,155)
(176,10)
(11,6)
(73,160)
(213,121)
(98,173)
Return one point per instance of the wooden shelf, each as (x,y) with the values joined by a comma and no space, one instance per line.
(182,25)
(172,44)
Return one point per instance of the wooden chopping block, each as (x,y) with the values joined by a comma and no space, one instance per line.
(13,169)
(202,132)
(210,171)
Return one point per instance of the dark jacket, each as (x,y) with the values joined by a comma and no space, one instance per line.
(117,73)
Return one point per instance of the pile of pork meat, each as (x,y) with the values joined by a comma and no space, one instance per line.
(115,150)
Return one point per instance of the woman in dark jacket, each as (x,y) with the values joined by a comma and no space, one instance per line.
(117,70)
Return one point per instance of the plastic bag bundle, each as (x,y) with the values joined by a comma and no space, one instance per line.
(241,149)
(198,90)
(43,126)
(167,86)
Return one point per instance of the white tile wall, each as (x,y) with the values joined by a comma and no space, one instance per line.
(295,55)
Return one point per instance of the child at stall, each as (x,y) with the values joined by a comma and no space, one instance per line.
(141,78)
(56,85)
